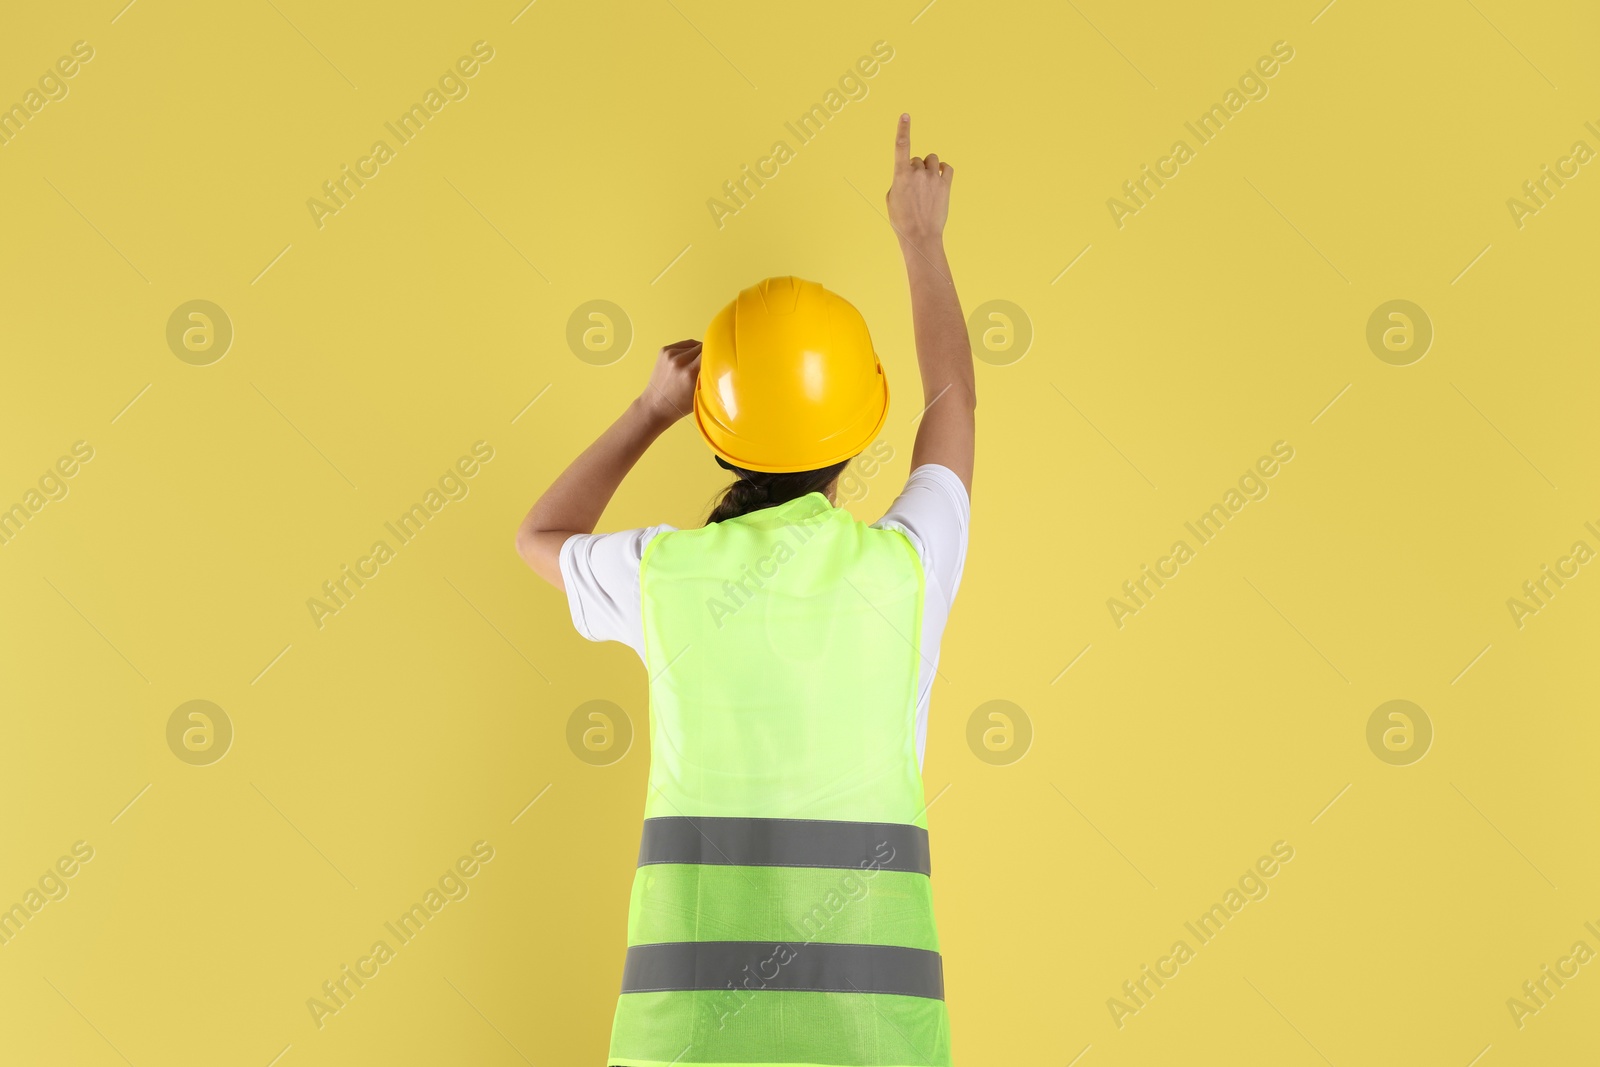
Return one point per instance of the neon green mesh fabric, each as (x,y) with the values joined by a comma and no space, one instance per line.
(778,1026)
(696,902)
(782,648)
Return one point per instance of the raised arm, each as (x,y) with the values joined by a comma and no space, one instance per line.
(919,200)
(575,501)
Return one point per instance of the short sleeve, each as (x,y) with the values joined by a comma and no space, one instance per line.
(934,511)
(601,573)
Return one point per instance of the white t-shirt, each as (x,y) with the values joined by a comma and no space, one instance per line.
(601,571)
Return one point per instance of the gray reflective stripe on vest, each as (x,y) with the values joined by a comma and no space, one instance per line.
(785,843)
(813,967)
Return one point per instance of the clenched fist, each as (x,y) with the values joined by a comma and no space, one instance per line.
(919,196)
(670,393)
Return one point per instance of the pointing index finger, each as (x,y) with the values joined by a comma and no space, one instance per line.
(902,143)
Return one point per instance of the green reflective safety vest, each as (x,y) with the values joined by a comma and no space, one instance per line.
(782,911)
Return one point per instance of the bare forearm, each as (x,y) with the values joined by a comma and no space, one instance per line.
(576,500)
(944,353)
(947,432)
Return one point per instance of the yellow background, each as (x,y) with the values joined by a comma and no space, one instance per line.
(371,753)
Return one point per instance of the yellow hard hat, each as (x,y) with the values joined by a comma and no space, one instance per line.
(789,380)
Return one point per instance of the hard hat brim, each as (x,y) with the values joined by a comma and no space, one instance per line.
(847,444)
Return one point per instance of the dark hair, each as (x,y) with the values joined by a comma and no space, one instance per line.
(754,490)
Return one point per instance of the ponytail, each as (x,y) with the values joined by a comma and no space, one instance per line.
(755,490)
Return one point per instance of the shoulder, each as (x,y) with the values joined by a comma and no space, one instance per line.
(624,547)
(932,501)
(934,512)
(601,573)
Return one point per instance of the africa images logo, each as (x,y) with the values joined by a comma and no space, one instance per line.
(1140,190)
(452,85)
(1252,485)
(452,486)
(852,86)
(452,886)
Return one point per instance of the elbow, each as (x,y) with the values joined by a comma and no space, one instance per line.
(966,394)
(541,551)
(525,542)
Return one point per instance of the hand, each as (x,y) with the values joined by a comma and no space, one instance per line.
(670,393)
(919,197)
